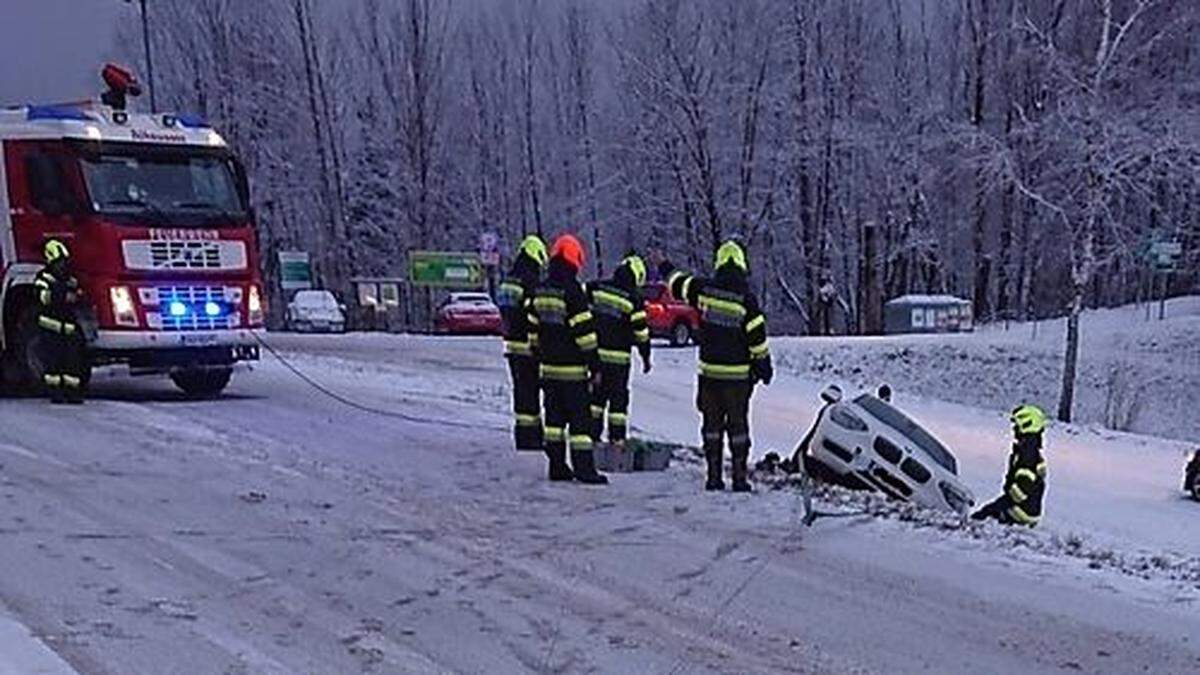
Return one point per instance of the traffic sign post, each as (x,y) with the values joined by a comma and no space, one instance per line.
(1162,257)
(445,269)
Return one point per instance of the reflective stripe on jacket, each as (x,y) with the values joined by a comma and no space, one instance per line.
(620,316)
(733,330)
(1025,482)
(562,326)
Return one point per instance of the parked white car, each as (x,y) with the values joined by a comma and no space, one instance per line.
(316,311)
(867,444)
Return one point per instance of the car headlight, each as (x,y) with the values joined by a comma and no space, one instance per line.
(124,311)
(955,498)
(254,305)
(846,419)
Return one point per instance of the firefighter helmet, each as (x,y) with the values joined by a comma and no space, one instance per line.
(638,267)
(55,250)
(731,252)
(535,248)
(1028,419)
(569,249)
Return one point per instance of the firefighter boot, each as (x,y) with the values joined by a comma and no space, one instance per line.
(585,468)
(559,471)
(740,472)
(713,456)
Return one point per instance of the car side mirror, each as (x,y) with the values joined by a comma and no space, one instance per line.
(832,394)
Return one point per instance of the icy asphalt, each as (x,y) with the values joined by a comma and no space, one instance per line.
(275,531)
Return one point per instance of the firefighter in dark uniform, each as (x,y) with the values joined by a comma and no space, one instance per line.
(620,315)
(564,338)
(733,357)
(514,291)
(62,343)
(1025,480)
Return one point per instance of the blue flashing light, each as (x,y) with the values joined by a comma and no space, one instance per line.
(212,309)
(192,121)
(54,112)
(177,308)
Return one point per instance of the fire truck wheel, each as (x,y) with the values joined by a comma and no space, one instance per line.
(202,382)
(23,366)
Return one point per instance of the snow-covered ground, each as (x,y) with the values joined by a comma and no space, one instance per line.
(276,530)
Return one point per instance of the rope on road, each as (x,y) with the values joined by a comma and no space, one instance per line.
(350,403)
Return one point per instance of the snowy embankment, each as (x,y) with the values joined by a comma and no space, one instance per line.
(1144,375)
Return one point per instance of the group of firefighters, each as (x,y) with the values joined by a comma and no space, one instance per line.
(569,350)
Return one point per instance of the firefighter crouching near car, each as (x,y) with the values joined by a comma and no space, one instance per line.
(522,281)
(564,338)
(62,343)
(733,357)
(1025,481)
(620,316)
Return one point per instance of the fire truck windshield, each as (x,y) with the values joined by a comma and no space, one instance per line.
(187,187)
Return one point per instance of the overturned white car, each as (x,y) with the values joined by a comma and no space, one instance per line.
(867,444)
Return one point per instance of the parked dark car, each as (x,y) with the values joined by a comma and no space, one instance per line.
(468,313)
(669,317)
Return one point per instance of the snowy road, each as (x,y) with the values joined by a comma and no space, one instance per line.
(274,531)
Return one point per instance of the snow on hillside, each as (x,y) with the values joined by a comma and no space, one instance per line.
(1147,372)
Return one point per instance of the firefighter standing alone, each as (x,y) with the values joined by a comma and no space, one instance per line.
(519,286)
(734,356)
(1025,480)
(620,316)
(564,339)
(61,343)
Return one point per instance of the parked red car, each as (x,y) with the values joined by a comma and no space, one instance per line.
(668,317)
(468,313)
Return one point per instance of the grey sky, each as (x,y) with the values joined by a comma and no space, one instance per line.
(52,50)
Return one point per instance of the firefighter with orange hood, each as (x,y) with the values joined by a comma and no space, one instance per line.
(563,334)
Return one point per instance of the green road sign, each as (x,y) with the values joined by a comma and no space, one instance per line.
(295,272)
(450,270)
(1164,255)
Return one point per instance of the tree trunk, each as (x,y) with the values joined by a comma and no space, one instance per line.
(1066,401)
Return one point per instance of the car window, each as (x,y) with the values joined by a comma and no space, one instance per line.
(315,299)
(471,299)
(654,293)
(900,422)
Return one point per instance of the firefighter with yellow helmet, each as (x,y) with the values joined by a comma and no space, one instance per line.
(1025,480)
(734,356)
(620,315)
(513,295)
(61,337)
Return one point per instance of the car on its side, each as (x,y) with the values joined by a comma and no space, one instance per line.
(316,311)
(867,444)
(669,317)
(468,314)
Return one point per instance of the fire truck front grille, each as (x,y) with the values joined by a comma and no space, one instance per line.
(193,308)
(176,254)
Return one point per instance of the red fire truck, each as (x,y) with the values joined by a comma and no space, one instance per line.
(155,211)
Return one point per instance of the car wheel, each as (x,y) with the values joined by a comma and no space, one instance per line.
(202,382)
(681,335)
